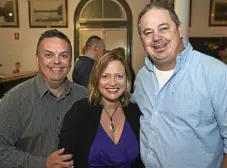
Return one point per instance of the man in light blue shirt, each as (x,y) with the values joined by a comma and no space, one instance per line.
(182,94)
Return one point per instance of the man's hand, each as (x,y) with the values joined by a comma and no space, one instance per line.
(59,160)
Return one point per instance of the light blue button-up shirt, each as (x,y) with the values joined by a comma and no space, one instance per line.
(184,124)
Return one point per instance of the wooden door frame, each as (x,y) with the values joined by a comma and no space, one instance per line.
(103,24)
(103,36)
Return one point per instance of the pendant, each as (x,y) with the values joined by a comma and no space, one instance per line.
(112,126)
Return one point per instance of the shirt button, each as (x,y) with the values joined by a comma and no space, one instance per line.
(156,113)
(57,118)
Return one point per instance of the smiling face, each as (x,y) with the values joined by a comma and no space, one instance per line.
(54,60)
(113,82)
(161,38)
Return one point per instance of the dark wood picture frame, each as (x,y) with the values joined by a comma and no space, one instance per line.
(9,14)
(48,13)
(167,1)
(218,13)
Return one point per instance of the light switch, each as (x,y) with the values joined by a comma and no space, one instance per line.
(16,36)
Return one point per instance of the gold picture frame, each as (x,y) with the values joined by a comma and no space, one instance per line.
(9,13)
(48,13)
(218,13)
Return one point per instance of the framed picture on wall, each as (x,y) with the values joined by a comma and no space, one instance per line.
(165,1)
(9,13)
(218,13)
(48,13)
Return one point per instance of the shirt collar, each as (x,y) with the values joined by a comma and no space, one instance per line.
(40,84)
(43,89)
(68,87)
(180,57)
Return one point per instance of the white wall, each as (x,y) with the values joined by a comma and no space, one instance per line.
(23,50)
(138,53)
(200,21)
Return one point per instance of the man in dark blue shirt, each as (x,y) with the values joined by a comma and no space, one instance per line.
(93,48)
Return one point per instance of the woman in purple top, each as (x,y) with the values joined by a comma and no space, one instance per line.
(102,130)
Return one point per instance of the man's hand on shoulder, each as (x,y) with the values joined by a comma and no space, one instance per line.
(59,160)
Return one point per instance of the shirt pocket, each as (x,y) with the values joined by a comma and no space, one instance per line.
(184,110)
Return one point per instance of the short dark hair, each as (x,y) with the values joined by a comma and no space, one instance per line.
(92,40)
(99,67)
(159,5)
(51,34)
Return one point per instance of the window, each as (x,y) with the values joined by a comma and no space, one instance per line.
(103,10)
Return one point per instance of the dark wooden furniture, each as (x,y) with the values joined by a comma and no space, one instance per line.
(8,81)
(209,45)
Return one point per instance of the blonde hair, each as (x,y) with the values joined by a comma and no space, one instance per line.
(120,51)
(94,95)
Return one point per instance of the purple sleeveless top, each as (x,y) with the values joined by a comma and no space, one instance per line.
(104,153)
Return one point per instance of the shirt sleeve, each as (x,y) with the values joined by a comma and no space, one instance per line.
(70,123)
(137,86)
(219,99)
(81,75)
(70,129)
(10,133)
(85,77)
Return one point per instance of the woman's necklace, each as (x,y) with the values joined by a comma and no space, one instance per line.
(112,123)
